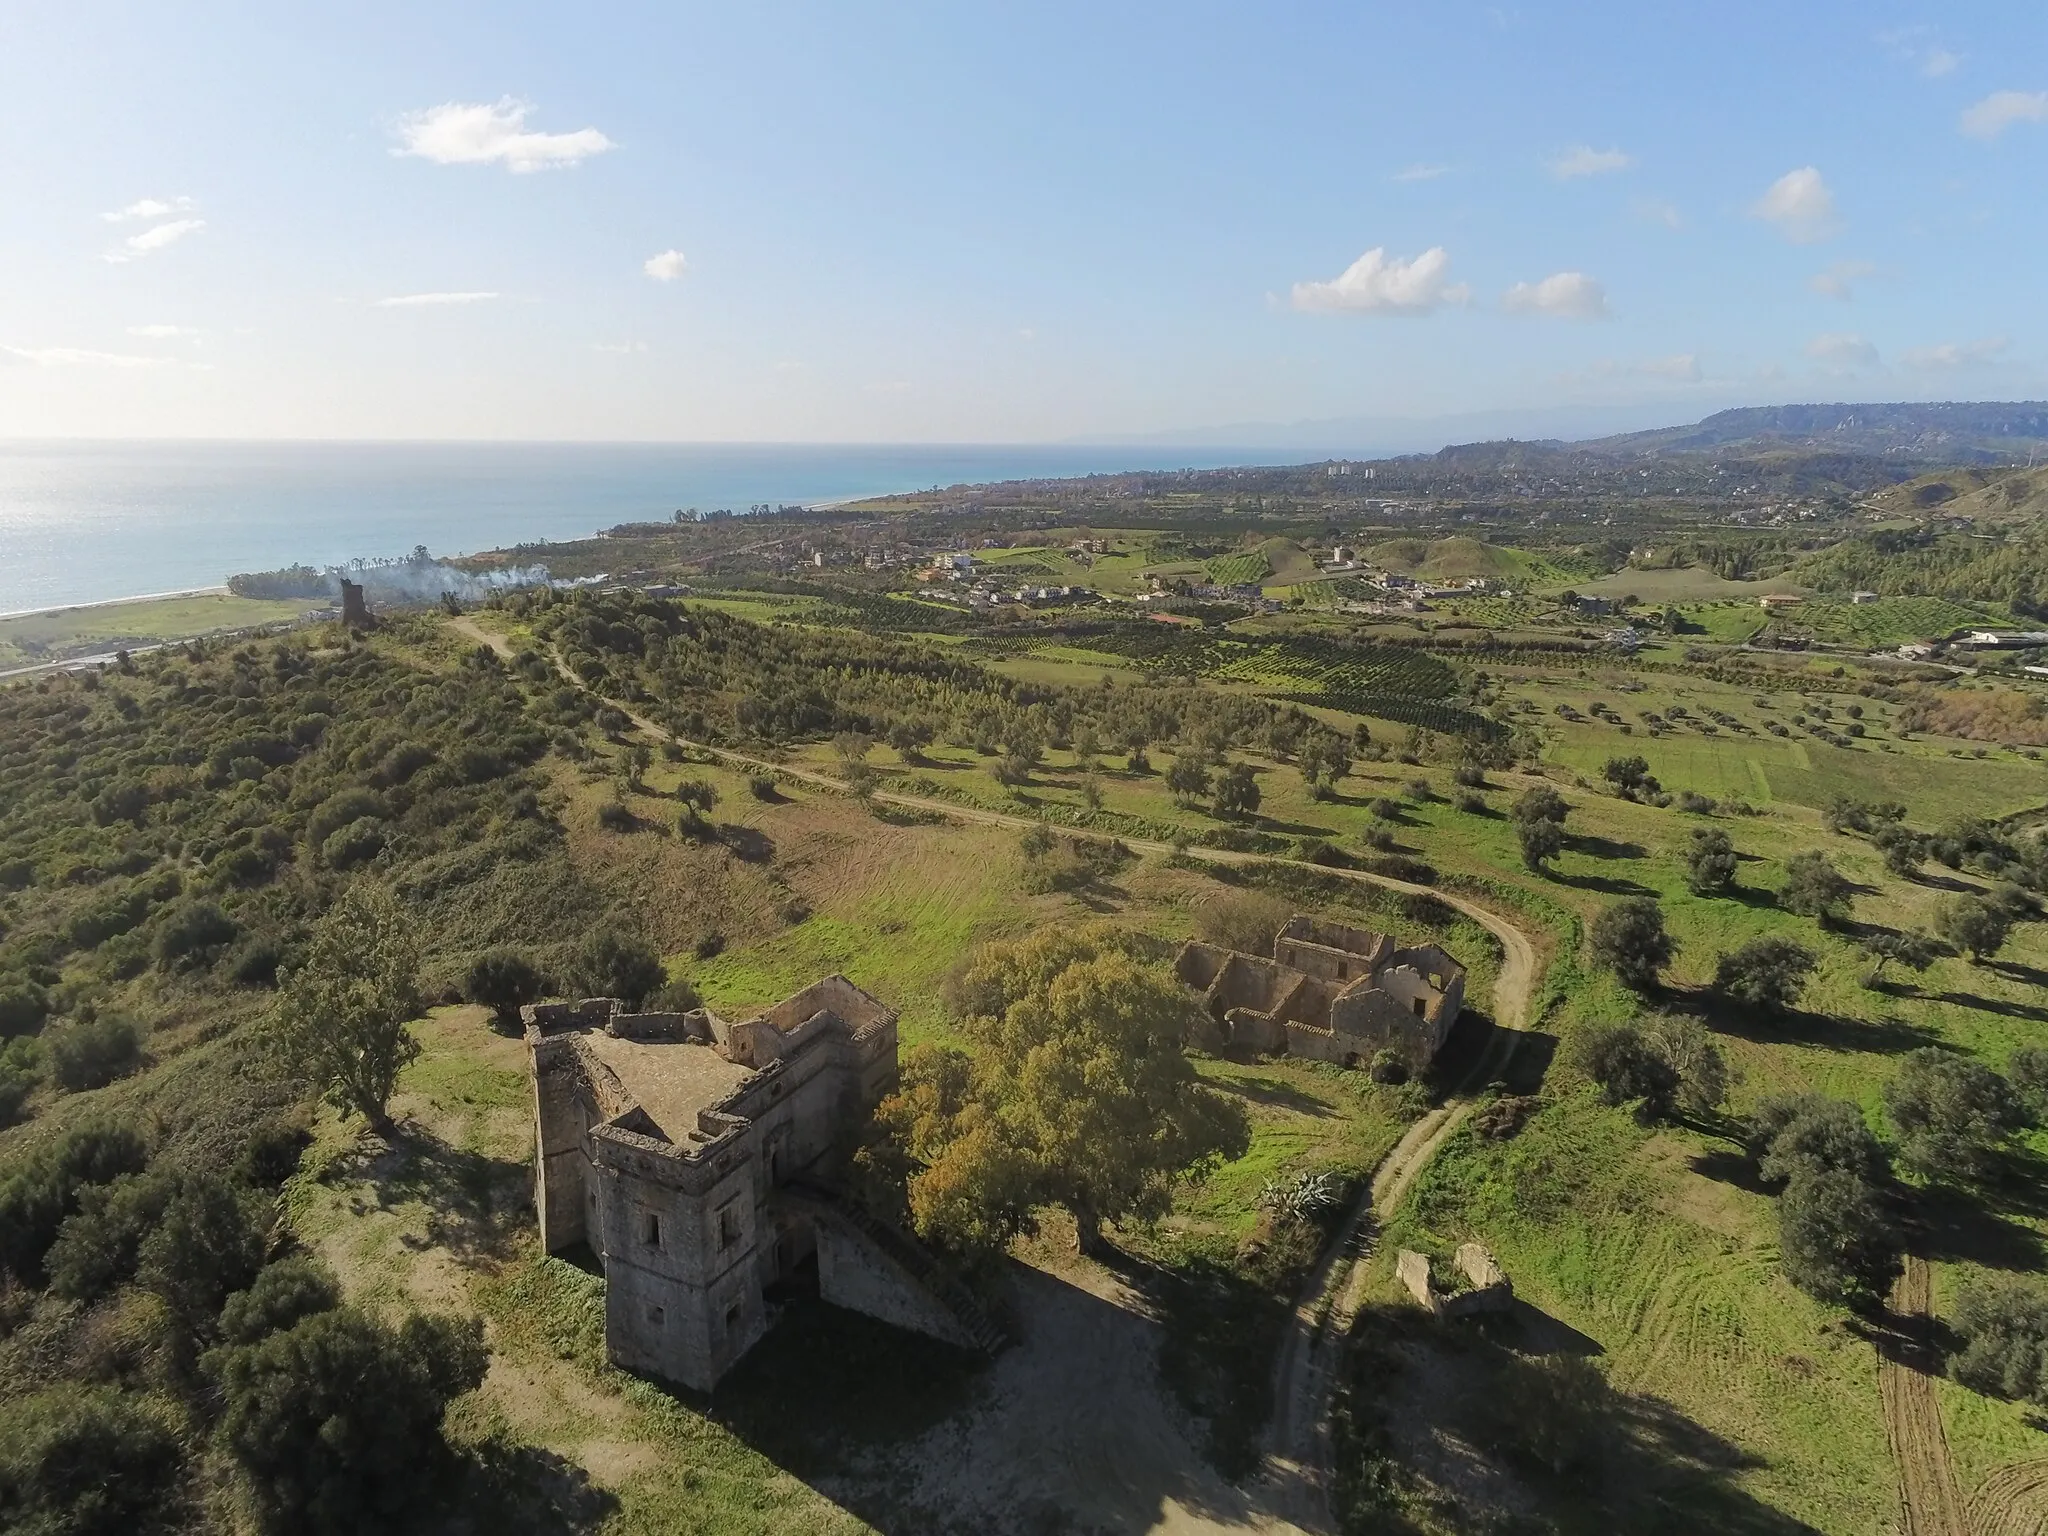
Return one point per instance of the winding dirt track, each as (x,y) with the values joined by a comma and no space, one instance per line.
(1931,1503)
(1292,1489)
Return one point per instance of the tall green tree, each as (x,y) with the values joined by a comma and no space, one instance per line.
(1629,939)
(340,1016)
(1815,888)
(1710,862)
(1079,1095)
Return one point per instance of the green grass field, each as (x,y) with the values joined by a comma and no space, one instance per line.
(58,633)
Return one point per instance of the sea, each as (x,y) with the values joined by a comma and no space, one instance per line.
(86,522)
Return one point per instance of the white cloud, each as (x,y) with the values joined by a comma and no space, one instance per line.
(1840,279)
(2001,109)
(1948,355)
(1681,367)
(150,208)
(162,332)
(154,238)
(64,357)
(1572,295)
(483,133)
(1800,204)
(1842,349)
(418,300)
(1422,173)
(1656,211)
(620,348)
(1585,160)
(1376,284)
(1912,45)
(666,267)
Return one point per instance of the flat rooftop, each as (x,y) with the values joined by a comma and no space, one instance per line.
(673,1080)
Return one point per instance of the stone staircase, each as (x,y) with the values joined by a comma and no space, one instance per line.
(908,1254)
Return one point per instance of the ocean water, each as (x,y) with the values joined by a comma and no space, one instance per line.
(83,522)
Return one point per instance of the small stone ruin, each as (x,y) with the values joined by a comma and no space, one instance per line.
(1488,1288)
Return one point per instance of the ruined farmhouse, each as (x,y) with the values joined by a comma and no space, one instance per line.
(1331,992)
(696,1158)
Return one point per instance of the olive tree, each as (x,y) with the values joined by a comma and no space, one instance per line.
(340,1016)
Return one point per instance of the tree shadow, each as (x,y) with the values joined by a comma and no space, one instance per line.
(1955,1225)
(2012,970)
(1734,1168)
(1262,1090)
(1603,847)
(1595,1458)
(475,1204)
(1794,1026)
(1611,886)
(509,1489)
(750,845)
(2000,1006)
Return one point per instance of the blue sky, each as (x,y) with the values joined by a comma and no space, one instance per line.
(1018,223)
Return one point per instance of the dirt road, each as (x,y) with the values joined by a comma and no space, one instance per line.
(1291,1492)
(1931,1502)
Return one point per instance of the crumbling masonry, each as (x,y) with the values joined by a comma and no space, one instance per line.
(1331,992)
(696,1159)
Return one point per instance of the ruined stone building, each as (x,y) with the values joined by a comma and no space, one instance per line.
(1331,992)
(695,1157)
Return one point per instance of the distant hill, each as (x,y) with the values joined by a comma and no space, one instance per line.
(1987,496)
(1953,432)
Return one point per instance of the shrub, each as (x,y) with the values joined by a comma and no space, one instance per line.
(193,933)
(18,1075)
(1629,939)
(2002,1322)
(1471,804)
(335,1422)
(1388,1067)
(616,816)
(1769,972)
(2027,1070)
(271,1154)
(1627,1069)
(23,1007)
(1696,804)
(43,1190)
(503,981)
(762,786)
(208,1244)
(677,996)
(1248,921)
(1542,803)
(1836,1239)
(90,1053)
(88,1461)
(1470,776)
(607,964)
(1953,1115)
(280,1296)
(338,810)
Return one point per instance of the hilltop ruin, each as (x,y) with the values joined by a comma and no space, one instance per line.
(1330,992)
(697,1158)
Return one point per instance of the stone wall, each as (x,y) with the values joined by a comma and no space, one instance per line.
(855,1273)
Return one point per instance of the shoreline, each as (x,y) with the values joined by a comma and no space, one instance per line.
(220,590)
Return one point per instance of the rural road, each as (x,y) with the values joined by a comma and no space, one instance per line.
(1930,1501)
(1292,1488)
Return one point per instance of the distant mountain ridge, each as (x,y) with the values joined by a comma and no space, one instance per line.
(1952,431)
